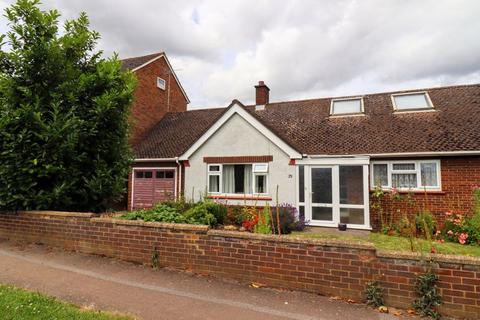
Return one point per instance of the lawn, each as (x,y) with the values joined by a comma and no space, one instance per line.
(18,304)
(396,243)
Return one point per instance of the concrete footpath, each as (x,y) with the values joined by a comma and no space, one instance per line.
(112,285)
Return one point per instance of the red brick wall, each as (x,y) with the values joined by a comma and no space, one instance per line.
(324,267)
(151,103)
(458,174)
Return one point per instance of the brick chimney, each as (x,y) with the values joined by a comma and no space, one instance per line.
(262,94)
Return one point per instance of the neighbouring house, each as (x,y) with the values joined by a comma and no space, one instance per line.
(158,92)
(322,155)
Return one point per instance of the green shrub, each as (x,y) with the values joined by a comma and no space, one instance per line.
(160,213)
(374,294)
(425,224)
(218,210)
(428,295)
(180,205)
(199,214)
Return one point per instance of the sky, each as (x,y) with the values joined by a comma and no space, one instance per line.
(302,49)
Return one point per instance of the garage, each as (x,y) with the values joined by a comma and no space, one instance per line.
(153,185)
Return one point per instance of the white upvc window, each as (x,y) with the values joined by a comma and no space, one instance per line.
(244,178)
(411,101)
(161,83)
(347,106)
(406,174)
(260,171)
(214,178)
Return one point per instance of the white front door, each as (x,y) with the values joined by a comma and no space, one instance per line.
(337,193)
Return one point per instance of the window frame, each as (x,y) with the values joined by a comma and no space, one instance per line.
(254,174)
(164,85)
(218,173)
(417,171)
(361,112)
(430,106)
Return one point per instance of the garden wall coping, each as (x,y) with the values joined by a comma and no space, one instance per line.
(434,257)
(160,225)
(57,213)
(291,239)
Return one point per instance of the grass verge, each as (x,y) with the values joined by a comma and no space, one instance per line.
(396,243)
(16,304)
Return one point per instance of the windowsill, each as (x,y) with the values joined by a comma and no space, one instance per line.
(346,115)
(239,197)
(414,191)
(407,111)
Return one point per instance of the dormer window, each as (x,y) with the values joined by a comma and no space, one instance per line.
(344,107)
(411,101)
(160,83)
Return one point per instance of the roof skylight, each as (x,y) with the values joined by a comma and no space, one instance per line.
(411,101)
(346,106)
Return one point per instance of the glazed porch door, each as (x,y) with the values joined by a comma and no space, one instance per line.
(322,199)
(337,193)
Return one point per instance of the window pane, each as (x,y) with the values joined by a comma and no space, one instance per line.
(301,213)
(148,174)
(429,174)
(404,180)
(404,166)
(322,185)
(260,184)
(380,175)
(352,216)
(228,178)
(301,183)
(347,106)
(169,174)
(160,174)
(214,168)
(322,213)
(411,101)
(213,183)
(351,184)
(139,174)
(260,167)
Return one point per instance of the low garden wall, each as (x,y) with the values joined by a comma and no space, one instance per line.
(322,266)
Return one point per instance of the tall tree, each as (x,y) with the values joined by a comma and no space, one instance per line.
(63,114)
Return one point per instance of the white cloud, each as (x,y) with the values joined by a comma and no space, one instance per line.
(302,49)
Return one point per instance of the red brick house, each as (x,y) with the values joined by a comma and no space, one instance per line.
(158,92)
(322,155)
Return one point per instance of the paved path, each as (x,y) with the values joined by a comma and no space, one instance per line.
(113,285)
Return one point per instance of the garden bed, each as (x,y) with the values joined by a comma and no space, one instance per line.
(459,234)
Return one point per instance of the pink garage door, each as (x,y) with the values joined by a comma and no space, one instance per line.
(151,186)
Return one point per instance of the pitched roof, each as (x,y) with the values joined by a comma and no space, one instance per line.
(135,62)
(175,133)
(306,125)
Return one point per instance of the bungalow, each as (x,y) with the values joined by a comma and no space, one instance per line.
(324,156)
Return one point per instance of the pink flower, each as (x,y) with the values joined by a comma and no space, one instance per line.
(450,232)
(394,190)
(438,232)
(448,213)
(462,238)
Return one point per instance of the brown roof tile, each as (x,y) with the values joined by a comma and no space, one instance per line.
(307,126)
(135,62)
(175,133)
